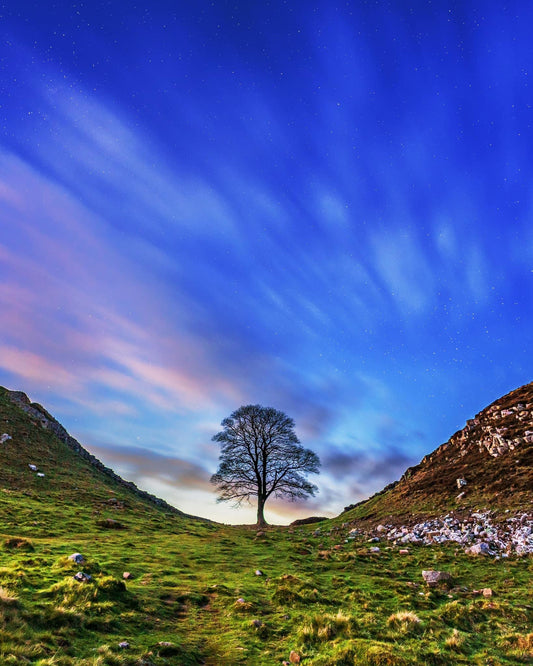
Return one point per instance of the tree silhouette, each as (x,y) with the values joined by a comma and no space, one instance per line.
(262,456)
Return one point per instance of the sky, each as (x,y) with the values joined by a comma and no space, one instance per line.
(323,207)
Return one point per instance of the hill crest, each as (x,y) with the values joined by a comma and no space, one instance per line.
(38,416)
(487,463)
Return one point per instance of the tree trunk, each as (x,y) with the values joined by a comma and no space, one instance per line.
(260,515)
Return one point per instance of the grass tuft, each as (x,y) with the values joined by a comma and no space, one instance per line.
(405,622)
(18,543)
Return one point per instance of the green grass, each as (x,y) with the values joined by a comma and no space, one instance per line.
(195,599)
(195,596)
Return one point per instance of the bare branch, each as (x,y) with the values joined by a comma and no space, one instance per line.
(262,456)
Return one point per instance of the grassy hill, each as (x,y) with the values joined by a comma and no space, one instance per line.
(194,597)
(492,454)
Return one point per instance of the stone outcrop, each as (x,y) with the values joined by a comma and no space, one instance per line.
(487,463)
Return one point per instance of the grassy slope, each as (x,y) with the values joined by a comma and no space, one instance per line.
(332,605)
(495,483)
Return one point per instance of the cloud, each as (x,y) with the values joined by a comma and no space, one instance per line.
(380,466)
(36,369)
(138,463)
(71,299)
(404,269)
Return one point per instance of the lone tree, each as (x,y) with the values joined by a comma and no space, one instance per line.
(262,456)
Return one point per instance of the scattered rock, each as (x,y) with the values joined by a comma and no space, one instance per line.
(257,623)
(479,549)
(294,657)
(461,483)
(403,551)
(82,577)
(76,557)
(434,578)
(514,535)
(375,549)
(127,575)
(4,438)
(33,467)
(487,592)
(124,645)
(168,649)
(258,572)
(40,474)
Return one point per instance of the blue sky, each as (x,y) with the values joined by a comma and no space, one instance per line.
(320,207)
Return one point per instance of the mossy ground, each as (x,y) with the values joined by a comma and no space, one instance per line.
(194,598)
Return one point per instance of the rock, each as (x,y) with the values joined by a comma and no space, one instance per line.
(124,645)
(260,534)
(294,657)
(486,592)
(375,549)
(4,438)
(381,528)
(461,483)
(479,549)
(110,524)
(40,474)
(76,557)
(434,578)
(33,467)
(257,623)
(403,551)
(460,495)
(258,572)
(82,577)
(240,600)
(127,575)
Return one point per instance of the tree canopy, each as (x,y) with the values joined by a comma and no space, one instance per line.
(261,456)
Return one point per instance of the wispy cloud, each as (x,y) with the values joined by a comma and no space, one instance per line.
(72,295)
(403,266)
(139,463)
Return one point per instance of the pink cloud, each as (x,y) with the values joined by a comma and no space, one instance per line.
(71,299)
(35,368)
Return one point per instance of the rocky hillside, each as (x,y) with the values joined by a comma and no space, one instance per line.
(44,467)
(488,464)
